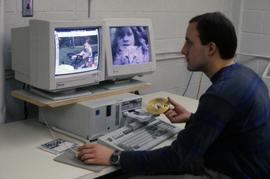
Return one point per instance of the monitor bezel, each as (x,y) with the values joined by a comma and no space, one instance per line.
(43,76)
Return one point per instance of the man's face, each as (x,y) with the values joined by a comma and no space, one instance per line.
(194,51)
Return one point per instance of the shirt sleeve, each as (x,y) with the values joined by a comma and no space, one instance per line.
(185,154)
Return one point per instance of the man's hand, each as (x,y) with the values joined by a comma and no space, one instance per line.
(95,154)
(178,113)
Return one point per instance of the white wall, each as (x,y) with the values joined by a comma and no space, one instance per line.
(170,19)
(254,35)
(255,29)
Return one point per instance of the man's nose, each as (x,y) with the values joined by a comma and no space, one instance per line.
(183,50)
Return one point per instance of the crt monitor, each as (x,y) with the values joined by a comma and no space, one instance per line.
(129,48)
(59,55)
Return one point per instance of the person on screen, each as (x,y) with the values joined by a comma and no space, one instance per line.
(130,46)
(228,135)
(84,58)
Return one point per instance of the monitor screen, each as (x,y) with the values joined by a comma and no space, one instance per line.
(77,50)
(130,45)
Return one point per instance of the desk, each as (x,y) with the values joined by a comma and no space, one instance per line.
(98,92)
(21,159)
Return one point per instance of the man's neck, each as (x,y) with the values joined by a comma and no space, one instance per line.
(218,65)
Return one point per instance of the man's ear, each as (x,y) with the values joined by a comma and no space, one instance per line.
(212,48)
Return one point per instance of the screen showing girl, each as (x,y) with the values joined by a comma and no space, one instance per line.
(130,45)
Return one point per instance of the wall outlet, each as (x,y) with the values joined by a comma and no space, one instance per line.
(27,8)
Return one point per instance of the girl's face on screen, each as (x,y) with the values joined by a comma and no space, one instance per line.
(125,38)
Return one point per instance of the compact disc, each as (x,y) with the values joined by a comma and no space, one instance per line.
(157,106)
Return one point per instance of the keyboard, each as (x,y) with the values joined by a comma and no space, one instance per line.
(139,135)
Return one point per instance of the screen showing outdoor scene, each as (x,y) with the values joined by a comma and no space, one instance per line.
(77,50)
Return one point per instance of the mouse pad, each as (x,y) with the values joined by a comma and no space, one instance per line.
(68,157)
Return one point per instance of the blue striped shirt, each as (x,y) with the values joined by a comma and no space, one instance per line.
(229,132)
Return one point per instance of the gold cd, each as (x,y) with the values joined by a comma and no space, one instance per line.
(157,106)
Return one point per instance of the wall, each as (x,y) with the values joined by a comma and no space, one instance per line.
(254,35)
(170,19)
(255,29)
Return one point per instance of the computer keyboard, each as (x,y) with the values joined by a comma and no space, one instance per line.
(139,135)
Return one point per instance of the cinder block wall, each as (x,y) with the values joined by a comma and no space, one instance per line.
(254,35)
(170,19)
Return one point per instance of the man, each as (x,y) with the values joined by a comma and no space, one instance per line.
(229,134)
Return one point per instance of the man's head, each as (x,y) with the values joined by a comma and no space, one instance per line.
(209,35)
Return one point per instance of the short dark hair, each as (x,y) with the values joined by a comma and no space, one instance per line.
(215,27)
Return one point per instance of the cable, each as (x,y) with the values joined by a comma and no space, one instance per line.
(52,129)
(70,134)
(47,125)
(190,77)
(236,58)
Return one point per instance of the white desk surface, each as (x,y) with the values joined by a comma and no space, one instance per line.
(20,157)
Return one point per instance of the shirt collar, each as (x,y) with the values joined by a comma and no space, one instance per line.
(219,73)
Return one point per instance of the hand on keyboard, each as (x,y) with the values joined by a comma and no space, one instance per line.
(95,154)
